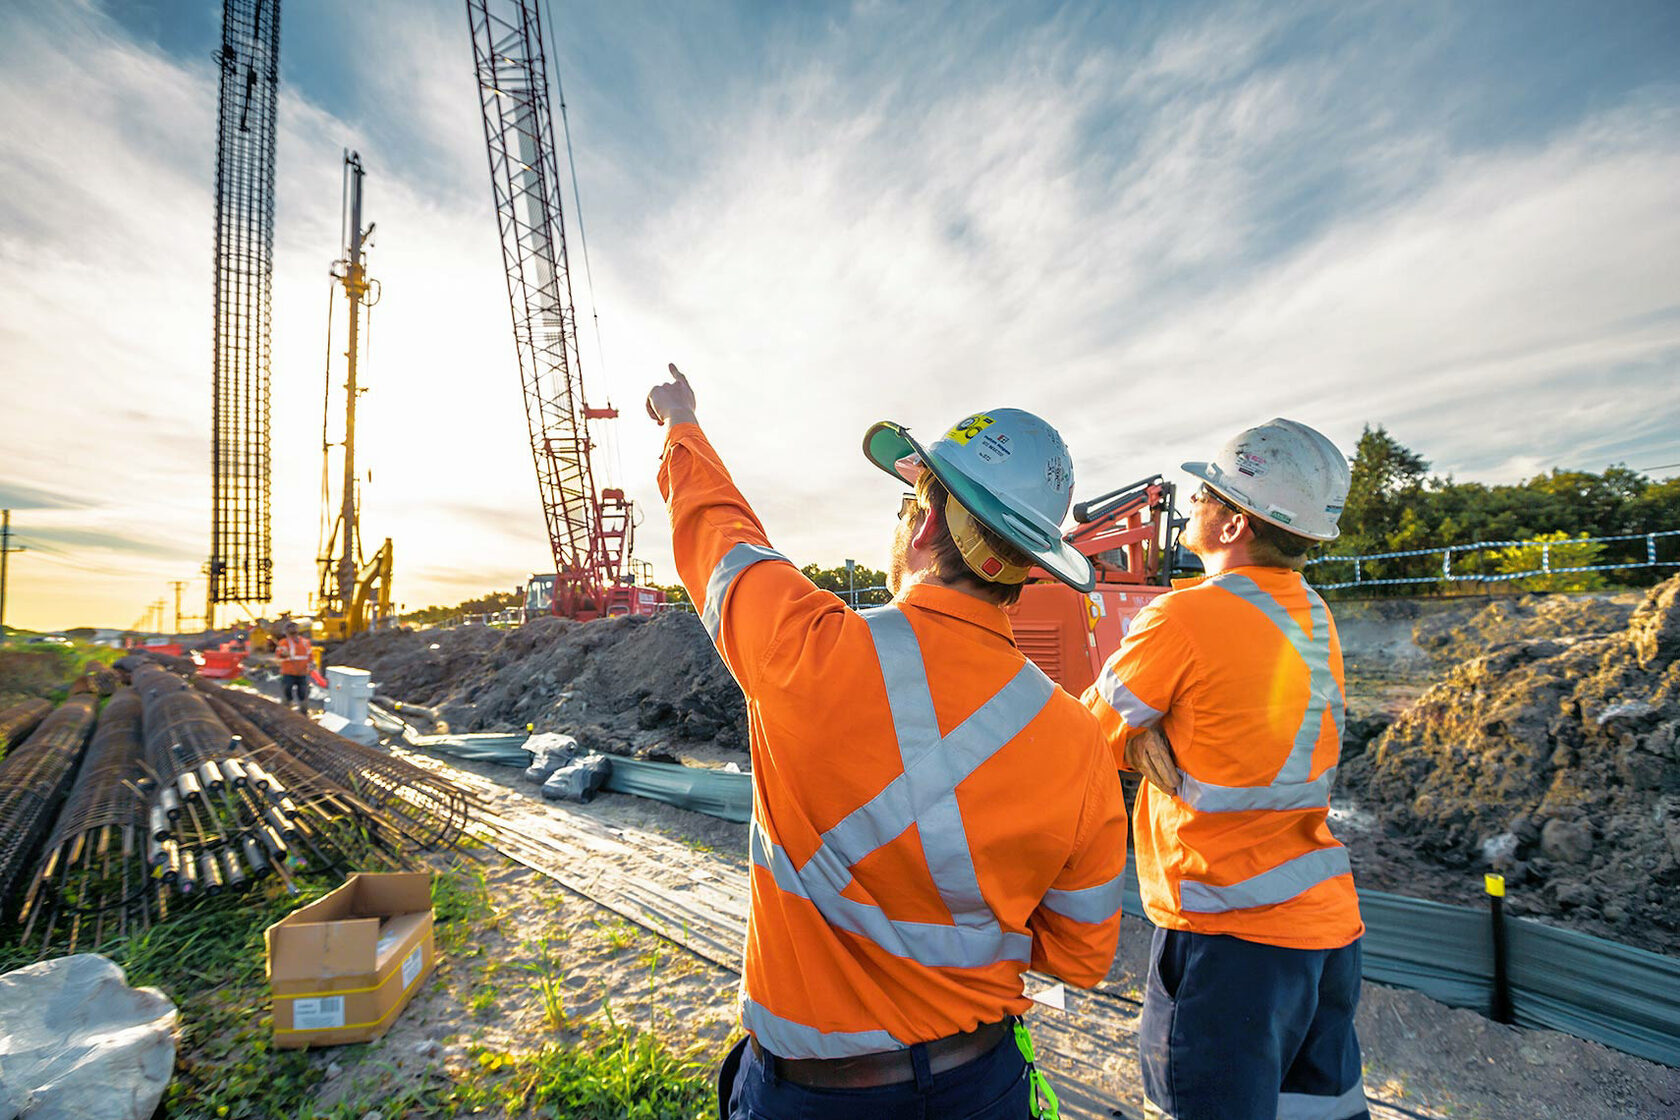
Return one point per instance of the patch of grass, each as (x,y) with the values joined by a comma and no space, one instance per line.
(618,934)
(614,1073)
(209,959)
(551,983)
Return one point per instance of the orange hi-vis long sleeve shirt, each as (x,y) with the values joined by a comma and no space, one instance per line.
(1242,673)
(931,814)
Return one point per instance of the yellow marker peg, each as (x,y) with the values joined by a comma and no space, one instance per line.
(1495,885)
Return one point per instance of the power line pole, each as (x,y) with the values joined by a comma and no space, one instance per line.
(6,548)
(177,584)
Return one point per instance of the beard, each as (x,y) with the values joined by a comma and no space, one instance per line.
(898,565)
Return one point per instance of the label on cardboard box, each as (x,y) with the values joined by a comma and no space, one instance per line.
(318,1013)
(411,965)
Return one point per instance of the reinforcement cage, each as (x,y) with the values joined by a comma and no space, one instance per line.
(241,564)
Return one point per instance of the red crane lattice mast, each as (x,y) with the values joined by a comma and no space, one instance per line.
(589,531)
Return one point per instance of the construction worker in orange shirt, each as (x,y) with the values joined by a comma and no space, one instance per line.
(1255,970)
(931,814)
(294,654)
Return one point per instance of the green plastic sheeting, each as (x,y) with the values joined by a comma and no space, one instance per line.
(720,793)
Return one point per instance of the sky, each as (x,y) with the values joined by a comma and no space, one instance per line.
(1154,224)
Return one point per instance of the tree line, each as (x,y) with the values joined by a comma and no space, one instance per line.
(1395,505)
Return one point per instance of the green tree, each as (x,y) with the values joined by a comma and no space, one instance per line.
(834,579)
(1387,478)
(1554,551)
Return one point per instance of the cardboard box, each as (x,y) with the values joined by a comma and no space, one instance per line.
(344,966)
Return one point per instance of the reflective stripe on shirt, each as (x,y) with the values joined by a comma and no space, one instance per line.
(1268,888)
(1134,711)
(784,1036)
(924,794)
(737,560)
(1088,904)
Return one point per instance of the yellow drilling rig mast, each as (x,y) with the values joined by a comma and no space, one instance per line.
(354,593)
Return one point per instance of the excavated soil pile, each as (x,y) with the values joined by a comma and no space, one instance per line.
(1552,755)
(623,685)
(27,675)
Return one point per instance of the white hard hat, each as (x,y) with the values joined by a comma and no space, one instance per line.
(1008,469)
(1285,473)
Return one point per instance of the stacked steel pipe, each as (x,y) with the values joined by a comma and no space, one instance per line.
(220,818)
(94,873)
(33,779)
(19,720)
(428,811)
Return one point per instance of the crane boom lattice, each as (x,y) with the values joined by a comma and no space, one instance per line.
(241,565)
(589,530)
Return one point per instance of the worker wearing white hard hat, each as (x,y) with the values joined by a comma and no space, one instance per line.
(1255,971)
(901,883)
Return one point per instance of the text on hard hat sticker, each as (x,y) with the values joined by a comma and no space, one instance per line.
(969,428)
(1251,464)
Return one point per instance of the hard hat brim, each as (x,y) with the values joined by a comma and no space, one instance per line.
(886,443)
(1232,493)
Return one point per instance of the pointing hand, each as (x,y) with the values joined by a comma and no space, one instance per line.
(673,401)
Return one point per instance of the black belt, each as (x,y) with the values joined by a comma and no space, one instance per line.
(867,1071)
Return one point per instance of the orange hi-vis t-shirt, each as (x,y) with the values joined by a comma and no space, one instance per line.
(293,652)
(931,814)
(1242,673)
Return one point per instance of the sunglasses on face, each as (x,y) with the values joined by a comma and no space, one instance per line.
(907,505)
(1208,494)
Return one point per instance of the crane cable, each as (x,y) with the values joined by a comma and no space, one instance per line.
(583,237)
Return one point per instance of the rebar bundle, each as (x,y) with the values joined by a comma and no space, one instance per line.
(428,811)
(33,778)
(93,869)
(98,678)
(19,720)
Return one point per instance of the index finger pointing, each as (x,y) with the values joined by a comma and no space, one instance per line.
(676,373)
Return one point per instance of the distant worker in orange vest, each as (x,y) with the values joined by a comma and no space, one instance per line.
(294,654)
(931,814)
(1255,970)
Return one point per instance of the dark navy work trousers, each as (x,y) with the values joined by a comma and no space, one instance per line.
(1234,1030)
(991,1087)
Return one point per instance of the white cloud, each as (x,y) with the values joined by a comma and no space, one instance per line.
(1153,240)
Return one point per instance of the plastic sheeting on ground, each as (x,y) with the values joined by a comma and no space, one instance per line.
(80,1044)
(481,746)
(721,793)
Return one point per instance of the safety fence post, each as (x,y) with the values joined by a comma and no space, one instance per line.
(1499,1006)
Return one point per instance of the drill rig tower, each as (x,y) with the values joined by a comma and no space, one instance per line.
(352,595)
(241,564)
(589,530)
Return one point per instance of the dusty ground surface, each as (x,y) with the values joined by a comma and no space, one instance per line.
(548,965)
(1422,1058)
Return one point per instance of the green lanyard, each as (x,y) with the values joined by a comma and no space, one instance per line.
(1043,1105)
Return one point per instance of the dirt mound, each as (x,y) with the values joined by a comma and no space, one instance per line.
(621,685)
(1450,638)
(1555,759)
(27,675)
